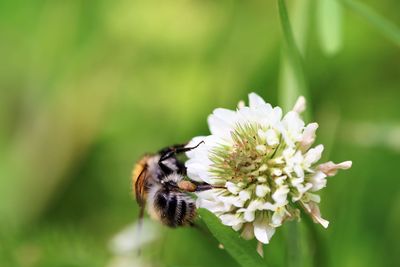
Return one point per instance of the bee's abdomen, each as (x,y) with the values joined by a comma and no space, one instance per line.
(175,208)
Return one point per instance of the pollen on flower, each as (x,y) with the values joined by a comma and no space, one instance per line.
(247,160)
(265,165)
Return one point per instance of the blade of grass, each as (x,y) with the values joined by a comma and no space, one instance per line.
(293,249)
(288,81)
(293,74)
(300,19)
(329,17)
(241,250)
(385,26)
(293,71)
(317,245)
(293,79)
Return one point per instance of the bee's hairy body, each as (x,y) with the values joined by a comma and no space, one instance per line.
(171,207)
(156,180)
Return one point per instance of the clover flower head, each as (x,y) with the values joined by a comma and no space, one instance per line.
(262,165)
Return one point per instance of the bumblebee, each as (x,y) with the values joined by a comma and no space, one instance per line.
(160,183)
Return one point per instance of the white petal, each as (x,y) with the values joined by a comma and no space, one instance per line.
(262,231)
(237,227)
(218,127)
(330,168)
(245,195)
(269,206)
(301,189)
(249,212)
(263,168)
(296,181)
(262,190)
(271,137)
(233,188)
(221,122)
(280,180)
(318,181)
(293,124)
(241,104)
(278,217)
(298,170)
(313,197)
(276,172)
(308,137)
(276,116)
(231,200)
(313,155)
(255,205)
(262,135)
(280,195)
(300,105)
(208,200)
(256,102)
(227,115)
(323,222)
(249,215)
(261,149)
(194,142)
(197,172)
(210,205)
(313,209)
(230,219)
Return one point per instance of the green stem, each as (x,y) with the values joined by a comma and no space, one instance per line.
(293,245)
(317,246)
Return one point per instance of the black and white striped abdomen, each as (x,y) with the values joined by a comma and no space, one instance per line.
(174,208)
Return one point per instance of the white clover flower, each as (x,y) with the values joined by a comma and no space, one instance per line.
(125,245)
(263,167)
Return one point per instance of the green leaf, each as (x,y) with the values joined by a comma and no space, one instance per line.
(386,27)
(329,23)
(244,252)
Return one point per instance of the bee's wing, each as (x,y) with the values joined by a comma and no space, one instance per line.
(140,186)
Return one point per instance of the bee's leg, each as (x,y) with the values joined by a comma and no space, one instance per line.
(203,187)
(167,150)
(170,152)
(167,153)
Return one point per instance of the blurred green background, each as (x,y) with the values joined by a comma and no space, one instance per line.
(88,86)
